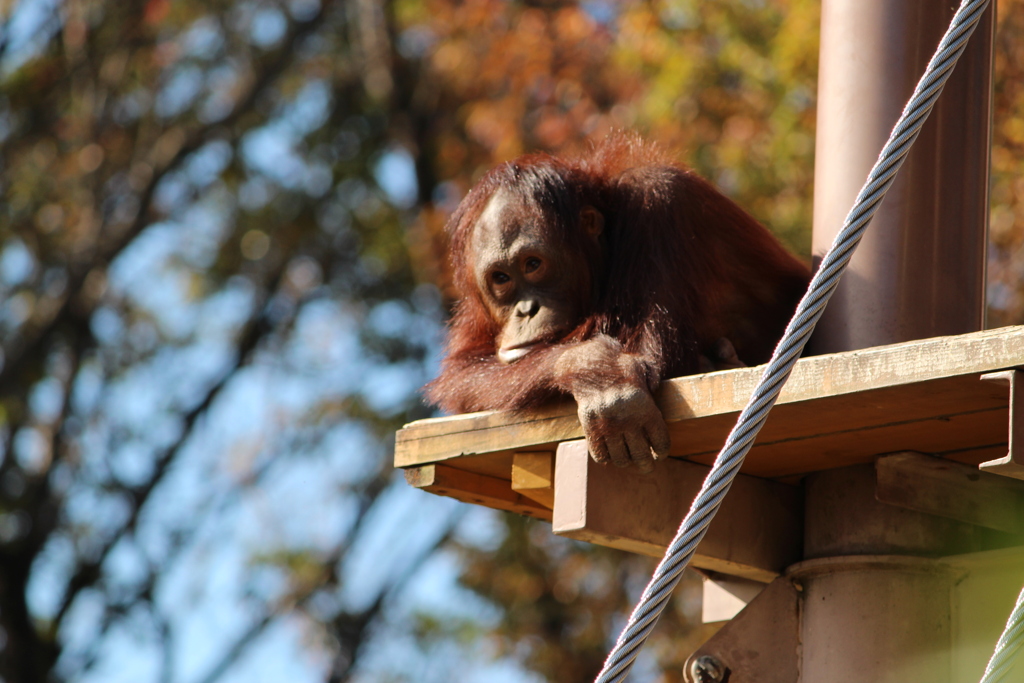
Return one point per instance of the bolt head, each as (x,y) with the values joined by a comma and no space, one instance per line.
(707,669)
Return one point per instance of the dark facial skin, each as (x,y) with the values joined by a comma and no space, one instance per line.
(536,291)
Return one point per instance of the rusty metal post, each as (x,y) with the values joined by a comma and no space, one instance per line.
(869,611)
(920,270)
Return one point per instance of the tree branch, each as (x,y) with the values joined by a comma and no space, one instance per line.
(352,628)
(254,332)
(39,334)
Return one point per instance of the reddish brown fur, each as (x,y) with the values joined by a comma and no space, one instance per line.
(680,267)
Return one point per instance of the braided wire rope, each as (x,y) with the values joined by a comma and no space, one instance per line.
(727,464)
(1009,643)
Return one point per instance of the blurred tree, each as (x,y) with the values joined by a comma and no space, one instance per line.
(218,222)
(211,330)
(219,243)
(1006,224)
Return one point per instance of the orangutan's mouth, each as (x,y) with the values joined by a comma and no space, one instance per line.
(512,354)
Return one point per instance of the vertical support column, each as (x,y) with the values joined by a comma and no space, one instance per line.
(870,610)
(884,619)
(920,270)
(869,613)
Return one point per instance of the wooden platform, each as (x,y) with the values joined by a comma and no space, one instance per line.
(836,410)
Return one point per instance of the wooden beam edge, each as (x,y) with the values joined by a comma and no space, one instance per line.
(945,488)
(473,488)
(727,391)
(533,476)
(439,449)
(759,530)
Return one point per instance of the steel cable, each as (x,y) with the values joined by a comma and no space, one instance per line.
(727,464)
(1008,645)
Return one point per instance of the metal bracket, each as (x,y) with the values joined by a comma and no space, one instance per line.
(1012,465)
(760,645)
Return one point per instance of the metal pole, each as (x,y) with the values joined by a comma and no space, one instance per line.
(870,612)
(920,270)
(911,640)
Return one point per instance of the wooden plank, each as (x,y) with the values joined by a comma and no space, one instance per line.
(793,441)
(952,490)
(474,488)
(451,424)
(974,455)
(962,434)
(757,533)
(845,413)
(421,442)
(497,465)
(533,475)
(888,389)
